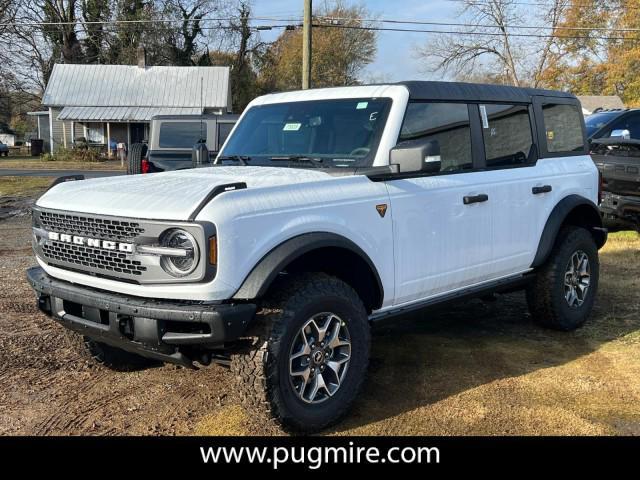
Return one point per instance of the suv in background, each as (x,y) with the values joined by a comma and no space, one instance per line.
(4,149)
(173,138)
(327,210)
(614,137)
(620,123)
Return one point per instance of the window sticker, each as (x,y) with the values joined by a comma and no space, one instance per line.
(483,114)
(362,105)
(550,134)
(291,127)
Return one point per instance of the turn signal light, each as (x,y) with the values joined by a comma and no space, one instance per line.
(213,250)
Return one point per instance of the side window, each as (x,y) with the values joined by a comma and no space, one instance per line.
(224,129)
(446,123)
(629,122)
(563,128)
(506,131)
(181,134)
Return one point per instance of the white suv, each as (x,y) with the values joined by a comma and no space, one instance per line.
(327,210)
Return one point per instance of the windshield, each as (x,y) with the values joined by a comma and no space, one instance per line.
(596,121)
(328,133)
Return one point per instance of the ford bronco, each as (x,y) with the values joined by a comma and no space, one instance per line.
(327,210)
(172,140)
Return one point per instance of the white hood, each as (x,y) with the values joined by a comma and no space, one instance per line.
(164,196)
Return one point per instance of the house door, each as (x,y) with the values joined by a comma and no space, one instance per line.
(137,132)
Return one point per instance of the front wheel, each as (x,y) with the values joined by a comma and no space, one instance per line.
(310,353)
(563,293)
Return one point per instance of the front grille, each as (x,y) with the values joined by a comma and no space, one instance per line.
(91,254)
(105,260)
(108,229)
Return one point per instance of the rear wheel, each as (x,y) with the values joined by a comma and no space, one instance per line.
(136,154)
(309,355)
(563,293)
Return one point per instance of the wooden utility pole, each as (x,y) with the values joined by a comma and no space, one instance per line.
(306,46)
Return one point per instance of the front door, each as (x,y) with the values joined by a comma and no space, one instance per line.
(443,222)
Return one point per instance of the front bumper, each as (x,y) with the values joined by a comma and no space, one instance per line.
(620,208)
(169,331)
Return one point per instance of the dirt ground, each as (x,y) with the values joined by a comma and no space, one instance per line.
(480,368)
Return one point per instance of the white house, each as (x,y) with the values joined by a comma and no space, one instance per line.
(105,103)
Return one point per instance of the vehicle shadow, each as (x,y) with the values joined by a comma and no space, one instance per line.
(421,359)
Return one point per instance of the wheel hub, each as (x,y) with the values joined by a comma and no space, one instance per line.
(577,279)
(319,358)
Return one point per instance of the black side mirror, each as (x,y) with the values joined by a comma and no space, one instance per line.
(417,157)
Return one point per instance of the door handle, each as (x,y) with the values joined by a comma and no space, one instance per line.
(542,189)
(469,199)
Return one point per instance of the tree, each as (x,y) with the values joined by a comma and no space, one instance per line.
(341,49)
(487,48)
(182,39)
(96,34)
(605,59)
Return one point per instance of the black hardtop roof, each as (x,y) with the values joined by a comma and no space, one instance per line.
(476,92)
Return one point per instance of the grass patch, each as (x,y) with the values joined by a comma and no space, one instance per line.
(23,186)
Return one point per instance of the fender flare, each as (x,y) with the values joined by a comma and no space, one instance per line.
(557,218)
(267,269)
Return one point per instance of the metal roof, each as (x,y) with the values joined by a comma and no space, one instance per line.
(132,86)
(593,102)
(122,114)
(459,91)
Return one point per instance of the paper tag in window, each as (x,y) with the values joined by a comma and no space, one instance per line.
(362,105)
(291,127)
(550,134)
(483,114)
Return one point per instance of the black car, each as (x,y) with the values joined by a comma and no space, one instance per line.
(624,123)
(614,137)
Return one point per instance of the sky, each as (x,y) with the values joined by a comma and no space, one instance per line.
(395,59)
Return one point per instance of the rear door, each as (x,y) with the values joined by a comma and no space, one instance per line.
(441,241)
(518,186)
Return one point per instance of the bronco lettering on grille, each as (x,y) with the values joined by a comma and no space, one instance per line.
(91,242)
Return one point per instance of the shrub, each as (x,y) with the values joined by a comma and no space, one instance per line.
(72,155)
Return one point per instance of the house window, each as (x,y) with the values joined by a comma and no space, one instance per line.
(95,133)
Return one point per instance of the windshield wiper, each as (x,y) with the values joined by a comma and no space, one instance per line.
(316,162)
(241,159)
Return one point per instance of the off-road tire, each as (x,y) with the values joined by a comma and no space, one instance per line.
(134,162)
(545,296)
(261,371)
(108,356)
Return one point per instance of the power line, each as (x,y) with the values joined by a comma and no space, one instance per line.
(534,4)
(455,32)
(479,25)
(298,21)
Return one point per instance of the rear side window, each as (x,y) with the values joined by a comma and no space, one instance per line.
(224,129)
(563,128)
(446,123)
(506,131)
(181,134)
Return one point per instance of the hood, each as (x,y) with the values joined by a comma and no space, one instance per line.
(167,195)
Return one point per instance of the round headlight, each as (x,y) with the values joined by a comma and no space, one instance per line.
(179,265)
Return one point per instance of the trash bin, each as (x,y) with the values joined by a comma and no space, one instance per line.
(37,146)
